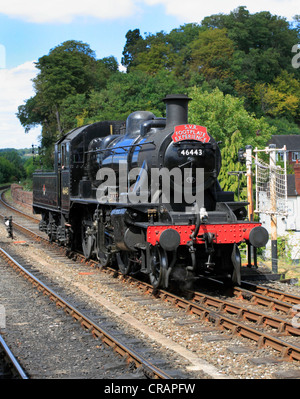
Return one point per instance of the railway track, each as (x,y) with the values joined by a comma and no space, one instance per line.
(266,296)
(132,358)
(215,311)
(233,315)
(9,366)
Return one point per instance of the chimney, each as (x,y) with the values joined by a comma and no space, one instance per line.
(297,177)
(176,109)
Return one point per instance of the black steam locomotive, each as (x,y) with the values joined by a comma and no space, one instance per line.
(144,195)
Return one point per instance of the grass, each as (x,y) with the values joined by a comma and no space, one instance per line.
(26,184)
(8,195)
(285,266)
(290,270)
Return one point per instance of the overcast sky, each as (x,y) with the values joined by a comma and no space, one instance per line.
(29,29)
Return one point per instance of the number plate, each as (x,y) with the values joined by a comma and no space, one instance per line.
(191,151)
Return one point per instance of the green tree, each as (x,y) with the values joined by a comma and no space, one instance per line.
(262,43)
(228,181)
(211,55)
(280,98)
(68,70)
(9,172)
(126,93)
(154,59)
(73,108)
(162,50)
(30,167)
(32,113)
(134,45)
(14,158)
(180,39)
(235,65)
(224,114)
(260,31)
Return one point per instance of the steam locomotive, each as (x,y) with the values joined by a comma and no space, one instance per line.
(144,195)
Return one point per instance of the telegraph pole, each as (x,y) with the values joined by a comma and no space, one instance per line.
(248,152)
(249,182)
(274,256)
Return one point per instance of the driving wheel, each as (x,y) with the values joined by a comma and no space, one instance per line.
(158,266)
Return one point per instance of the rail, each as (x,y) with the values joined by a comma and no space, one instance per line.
(124,351)
(15,367)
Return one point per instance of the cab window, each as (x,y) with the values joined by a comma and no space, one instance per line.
(65,157)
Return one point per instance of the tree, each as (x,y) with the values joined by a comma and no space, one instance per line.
(224,114)
(11,170)
(154,59)
(33,113)
(230,163)
(126,93)
(262,47)
(181,37)
(162,50)
(280,98)
(211,55)
(261,31)
(69,69)
(134,45)
(245,56)
(30,165)
(180,40)
(14,158)
(73,108)
(228,122)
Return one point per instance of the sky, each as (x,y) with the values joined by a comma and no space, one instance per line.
(30,29)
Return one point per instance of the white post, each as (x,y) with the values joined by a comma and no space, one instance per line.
(285,179)
(273,208)
(249,181)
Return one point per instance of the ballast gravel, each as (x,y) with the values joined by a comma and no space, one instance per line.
(174,333)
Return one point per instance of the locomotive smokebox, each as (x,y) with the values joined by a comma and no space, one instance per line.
(176,109)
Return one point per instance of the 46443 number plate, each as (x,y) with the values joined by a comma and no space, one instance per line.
(191,151)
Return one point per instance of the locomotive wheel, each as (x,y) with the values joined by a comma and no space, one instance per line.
(236,261)
(87,240)
(51,231)
(104,258)
(87,245)
(124,262)
(158,267)
(59,235)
